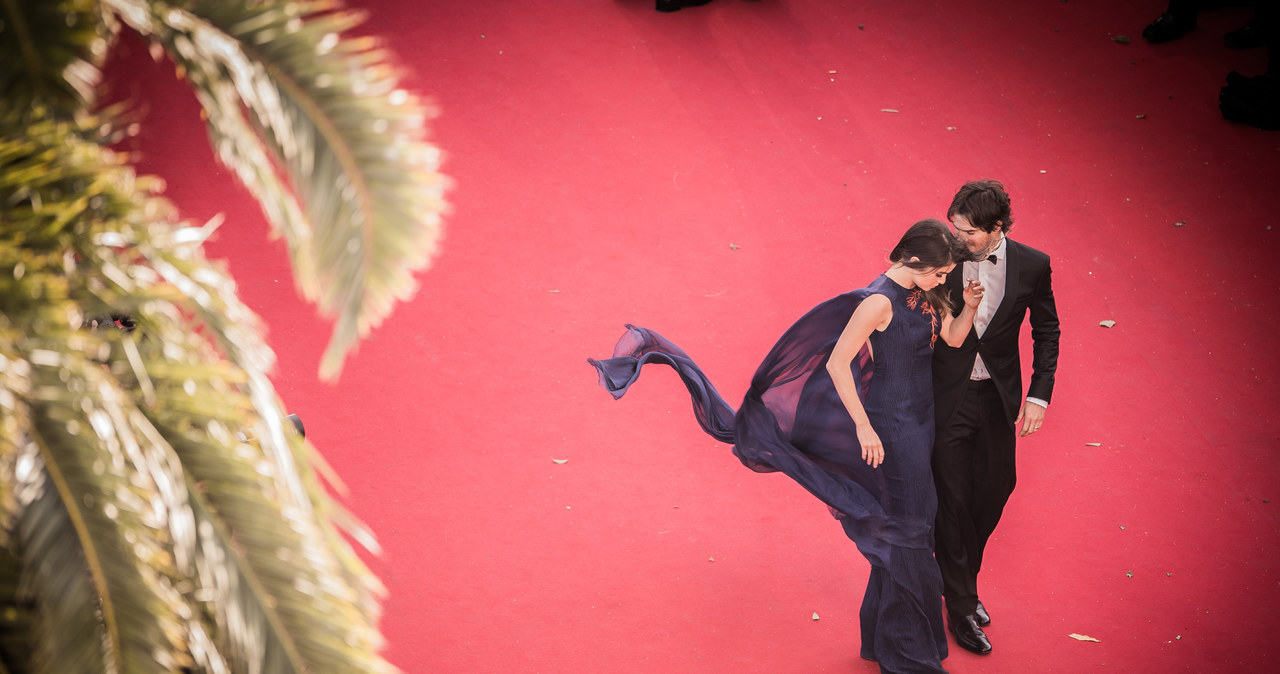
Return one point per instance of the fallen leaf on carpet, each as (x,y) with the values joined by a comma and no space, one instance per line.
(887,110)
(1107,323)
(1081,637)
(1093,444)
(815,615)
(734,247)
(1122,39)
(1180,223)
(561,460)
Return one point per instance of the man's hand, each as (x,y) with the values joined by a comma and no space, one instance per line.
(1029,419)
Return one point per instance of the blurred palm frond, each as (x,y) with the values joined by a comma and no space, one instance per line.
(157,514)
(321,132)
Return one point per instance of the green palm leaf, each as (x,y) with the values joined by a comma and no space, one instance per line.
(318,128)
(159,508)
(97,546)
(156,513)
(91,519)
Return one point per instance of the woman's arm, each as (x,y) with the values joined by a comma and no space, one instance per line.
(874,313)
(954,330)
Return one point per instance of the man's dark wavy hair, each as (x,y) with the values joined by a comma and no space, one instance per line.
(985,203)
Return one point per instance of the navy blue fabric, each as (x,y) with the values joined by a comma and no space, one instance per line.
(793,421)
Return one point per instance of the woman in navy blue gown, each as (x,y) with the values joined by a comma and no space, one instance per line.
(843,404)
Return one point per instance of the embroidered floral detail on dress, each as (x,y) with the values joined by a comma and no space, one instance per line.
(917,300)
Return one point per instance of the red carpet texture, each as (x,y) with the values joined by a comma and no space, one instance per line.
(712,174)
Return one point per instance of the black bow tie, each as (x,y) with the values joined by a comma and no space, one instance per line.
(991,259)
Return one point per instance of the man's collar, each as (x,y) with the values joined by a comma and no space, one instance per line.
(1000,248)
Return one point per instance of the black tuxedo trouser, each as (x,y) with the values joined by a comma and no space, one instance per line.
(974,471)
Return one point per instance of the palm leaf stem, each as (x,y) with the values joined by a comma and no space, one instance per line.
(204,513)
(92,555)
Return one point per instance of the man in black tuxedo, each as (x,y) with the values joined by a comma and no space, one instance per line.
(978,395)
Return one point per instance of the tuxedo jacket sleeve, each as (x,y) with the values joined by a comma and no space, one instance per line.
(1028,291)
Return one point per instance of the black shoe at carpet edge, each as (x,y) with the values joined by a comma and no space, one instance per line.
(981,614)
(676,5)
(1166,28)
(1235,79)
(1251,35)
(1250,107)
(1260,89)
(969,634)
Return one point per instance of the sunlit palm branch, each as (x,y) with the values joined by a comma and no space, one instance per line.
(156,512)
(319,129)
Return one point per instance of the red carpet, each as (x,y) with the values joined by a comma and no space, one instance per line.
(712,174)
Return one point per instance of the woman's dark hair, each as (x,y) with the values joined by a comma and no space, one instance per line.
(985,204)
(927,245)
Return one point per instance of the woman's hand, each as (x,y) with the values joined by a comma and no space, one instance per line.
(872,450)
(973,294)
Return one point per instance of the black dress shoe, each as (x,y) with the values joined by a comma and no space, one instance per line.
(981,614)
(969,634)
(1251,100)
(676,5)
(1166,28)
(1253,34)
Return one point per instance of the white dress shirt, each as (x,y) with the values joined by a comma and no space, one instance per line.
(991,276)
